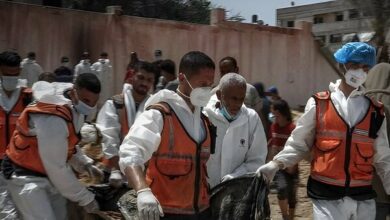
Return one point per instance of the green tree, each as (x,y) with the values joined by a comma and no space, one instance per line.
(194,11)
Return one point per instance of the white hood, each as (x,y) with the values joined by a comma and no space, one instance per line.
(171,97)
(333,87)
(191,120)
(51,93)
(212,111)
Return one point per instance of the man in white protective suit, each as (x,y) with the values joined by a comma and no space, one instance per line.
(118,114)
(345,133)
(241,145)
(43,149)
(103,70)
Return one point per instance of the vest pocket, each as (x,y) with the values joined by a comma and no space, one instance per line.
(21,143)
(174,167)
(363,158)
(327,145)
(324,154)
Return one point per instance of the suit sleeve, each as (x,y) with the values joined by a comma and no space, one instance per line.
(108,123)
(142,140)
(52,135)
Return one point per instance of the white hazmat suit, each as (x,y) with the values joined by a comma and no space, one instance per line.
(43,197)
(241,145)
(352,109)
(30,71)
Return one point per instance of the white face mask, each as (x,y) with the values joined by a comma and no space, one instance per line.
(199,96)
(9,83)
(83,108)
(271,117)
(355,78)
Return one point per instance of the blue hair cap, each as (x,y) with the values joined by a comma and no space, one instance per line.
(356,52)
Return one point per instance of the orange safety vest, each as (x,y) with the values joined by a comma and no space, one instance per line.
(8,119)
(23,147)
(177,172)
(119,104)
(342,156)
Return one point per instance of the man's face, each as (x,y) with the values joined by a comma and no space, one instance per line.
(9,70)
(232,97)
(203,78)
(87,96)
(227,66)
(142,82)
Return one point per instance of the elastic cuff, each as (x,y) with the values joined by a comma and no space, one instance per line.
(143,190)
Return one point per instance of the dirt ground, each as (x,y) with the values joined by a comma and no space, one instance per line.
(304,207)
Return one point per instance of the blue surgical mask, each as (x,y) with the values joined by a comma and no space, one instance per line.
(83,108)
(227,115)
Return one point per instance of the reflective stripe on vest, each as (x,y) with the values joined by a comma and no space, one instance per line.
(23,147)
(342,156)
(8,120)
(177,173)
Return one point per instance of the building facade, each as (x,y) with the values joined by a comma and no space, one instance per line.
(334,22)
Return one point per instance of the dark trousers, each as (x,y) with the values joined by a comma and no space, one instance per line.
(205,215)
(382,210)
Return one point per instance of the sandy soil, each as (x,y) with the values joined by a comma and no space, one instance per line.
(304,206)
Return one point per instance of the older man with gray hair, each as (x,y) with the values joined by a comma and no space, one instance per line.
(241,143)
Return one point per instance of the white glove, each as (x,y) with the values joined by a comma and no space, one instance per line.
(92,207)
(148,206)
(89,133)
(94,172)
(115,179)
(226,177)
(268,170)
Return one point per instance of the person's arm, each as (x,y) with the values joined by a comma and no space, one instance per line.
(257,152)
(108,123)
(301,140)
(138,146)
(52,135)
(76,71)
(382,156)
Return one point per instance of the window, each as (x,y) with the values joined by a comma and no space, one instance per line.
(321,38)
(318,20)
(353,14)
(290,24)
(336,38)
(339,17)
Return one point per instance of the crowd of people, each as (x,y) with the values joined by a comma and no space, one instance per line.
(172,136)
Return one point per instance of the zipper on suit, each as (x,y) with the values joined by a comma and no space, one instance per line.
(347,159)
(197,179)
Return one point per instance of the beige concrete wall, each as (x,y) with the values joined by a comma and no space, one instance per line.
(287,58)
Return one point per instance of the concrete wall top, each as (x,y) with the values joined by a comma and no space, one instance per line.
(288,58)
